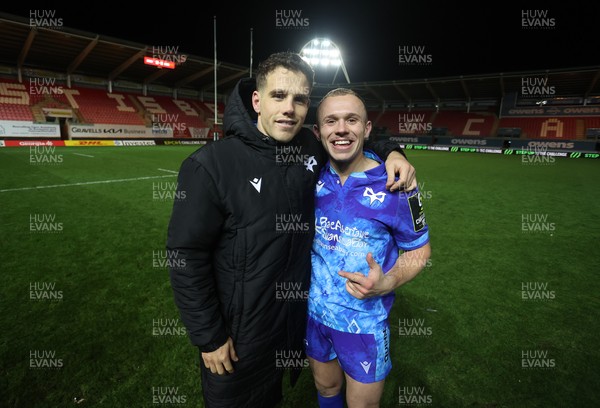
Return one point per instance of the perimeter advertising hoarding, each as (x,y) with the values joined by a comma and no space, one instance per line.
(569,145)
(180,142)
(19,128)
(81,142)
(117,132)
(425,140)
(468,141)
(545,110)
(31,143)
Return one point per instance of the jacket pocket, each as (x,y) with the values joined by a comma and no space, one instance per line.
(236,306)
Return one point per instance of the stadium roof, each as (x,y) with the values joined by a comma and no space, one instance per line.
(73,52)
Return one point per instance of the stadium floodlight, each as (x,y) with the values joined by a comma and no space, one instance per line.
(324,53)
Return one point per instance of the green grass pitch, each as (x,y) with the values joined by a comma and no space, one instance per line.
(504,315)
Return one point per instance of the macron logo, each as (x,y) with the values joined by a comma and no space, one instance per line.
(366,365)
(256,183)
(320,185)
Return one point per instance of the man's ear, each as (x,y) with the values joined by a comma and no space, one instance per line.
(315,130)
(368,128)
(256,101)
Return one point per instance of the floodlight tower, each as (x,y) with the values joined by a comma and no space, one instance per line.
(324,53)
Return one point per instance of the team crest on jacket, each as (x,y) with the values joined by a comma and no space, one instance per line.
(310,162)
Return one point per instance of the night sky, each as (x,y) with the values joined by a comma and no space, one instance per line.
(380,40)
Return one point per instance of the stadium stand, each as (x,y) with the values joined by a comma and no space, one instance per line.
(484,124)
(403,121)
(14,101)
(15,112)
(552,127)
(465,124)
(111,89)
(101,107)
(29,102)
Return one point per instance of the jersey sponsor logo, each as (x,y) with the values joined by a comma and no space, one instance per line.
(416,210)
(373,196)
(256,183)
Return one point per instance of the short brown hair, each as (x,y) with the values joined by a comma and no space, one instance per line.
(288,60)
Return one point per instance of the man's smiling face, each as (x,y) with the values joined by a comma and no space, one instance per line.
(282,104)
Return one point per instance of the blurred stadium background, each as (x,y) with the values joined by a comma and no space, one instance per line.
(91,139)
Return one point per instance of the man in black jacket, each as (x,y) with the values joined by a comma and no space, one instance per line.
(241,237)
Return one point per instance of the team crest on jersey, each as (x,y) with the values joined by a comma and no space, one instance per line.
(373,196)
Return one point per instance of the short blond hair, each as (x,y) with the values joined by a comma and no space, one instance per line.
(341,92)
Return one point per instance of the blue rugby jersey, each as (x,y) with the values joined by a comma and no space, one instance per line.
(351,220)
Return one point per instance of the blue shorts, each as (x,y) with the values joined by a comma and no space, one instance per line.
(364,357)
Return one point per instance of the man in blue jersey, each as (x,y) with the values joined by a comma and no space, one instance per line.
(381,236)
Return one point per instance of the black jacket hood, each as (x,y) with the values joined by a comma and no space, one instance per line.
(239,119)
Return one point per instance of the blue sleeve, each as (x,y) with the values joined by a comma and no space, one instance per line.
(411,230)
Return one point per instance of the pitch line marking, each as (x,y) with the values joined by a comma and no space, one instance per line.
(81,154)
(85,183)
(168,171)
